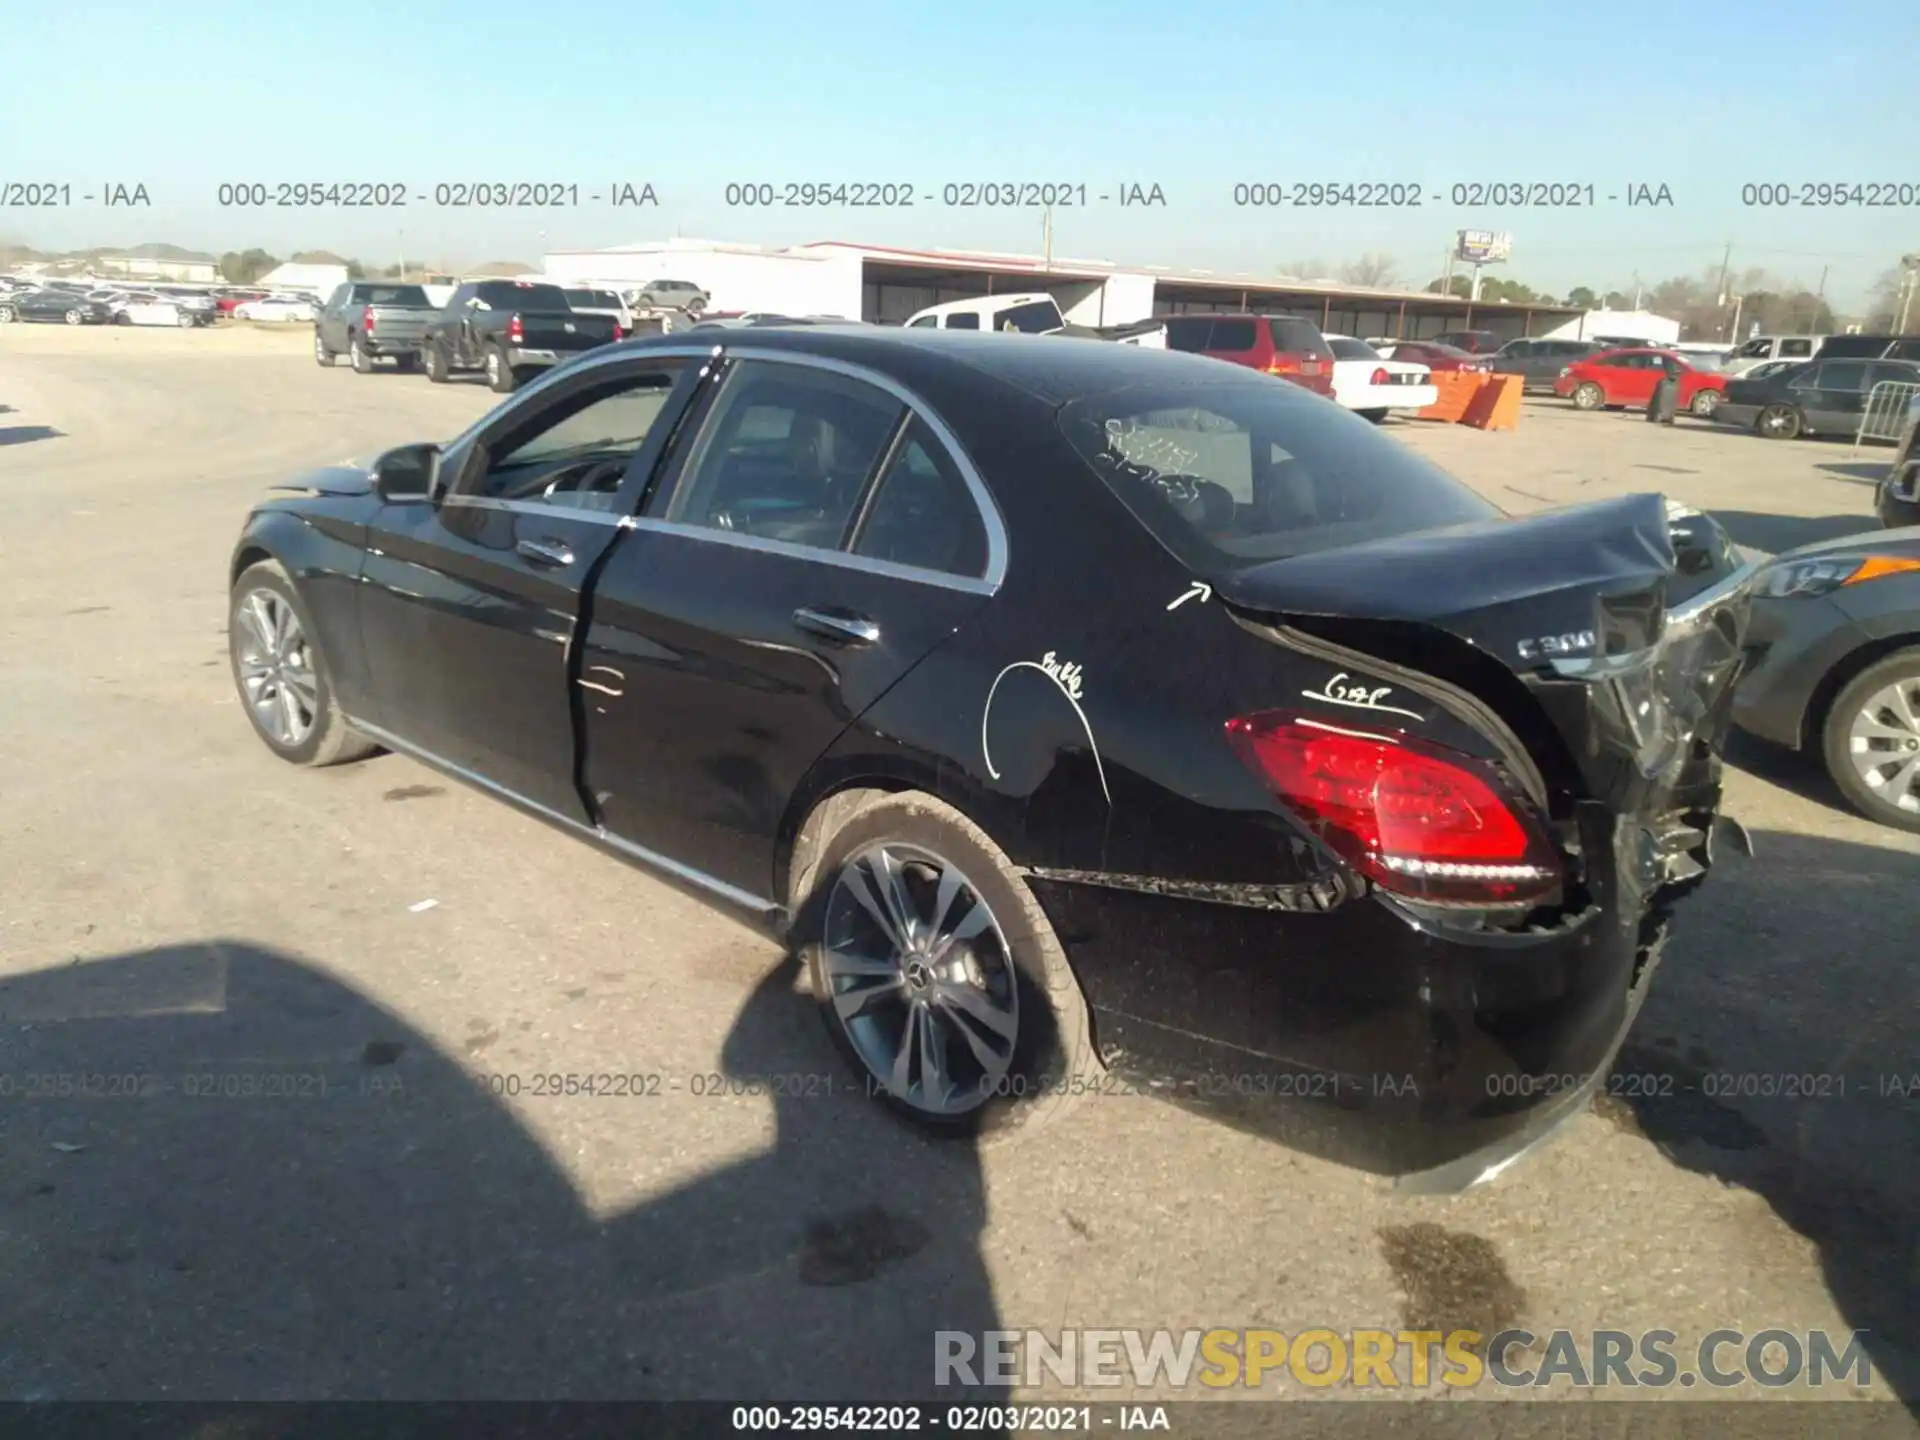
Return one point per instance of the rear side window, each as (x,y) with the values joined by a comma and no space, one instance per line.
(1345,349)
(1801,349)
(1188,333)
(1232,335)
(1842,375)
(784,455)
(1296,337)
(963,320)
(923,514)
(1231,475)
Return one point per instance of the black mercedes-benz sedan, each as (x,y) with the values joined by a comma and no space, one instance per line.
(55,306)
(1090,718)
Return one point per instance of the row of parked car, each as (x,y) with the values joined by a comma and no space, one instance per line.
(88,302)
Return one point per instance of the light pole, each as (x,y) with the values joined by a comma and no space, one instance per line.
(1910,271)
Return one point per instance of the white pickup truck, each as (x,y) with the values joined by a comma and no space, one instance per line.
(1034,314)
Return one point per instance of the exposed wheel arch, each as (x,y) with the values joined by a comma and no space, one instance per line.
(246,559)
(1813,721)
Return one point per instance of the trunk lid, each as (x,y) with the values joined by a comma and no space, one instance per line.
(1605,637)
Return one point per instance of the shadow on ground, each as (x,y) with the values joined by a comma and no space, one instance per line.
(1758,530)
(375,1224)
(1860,472)
(27,434)
(1789,1065)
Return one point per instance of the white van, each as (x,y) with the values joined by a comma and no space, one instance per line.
(1762,348)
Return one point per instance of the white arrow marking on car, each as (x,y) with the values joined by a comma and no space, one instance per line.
(1199,589)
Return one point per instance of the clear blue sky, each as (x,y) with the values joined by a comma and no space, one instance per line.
(1193,98)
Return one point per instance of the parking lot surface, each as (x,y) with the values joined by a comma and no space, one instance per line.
(398,1216)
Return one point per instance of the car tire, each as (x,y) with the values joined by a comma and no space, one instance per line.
(6,315)
(1376,416)
(1778,422)
(435,363)
(186,321)
(1866,713)
(326,739)
(1588,396)
(500,377)
(1030,1053)
(358,356)
(74,317)
(1705,402)
(321,354)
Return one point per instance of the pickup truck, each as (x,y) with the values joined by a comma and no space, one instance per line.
(1035,314)
(368,321)
(511,330)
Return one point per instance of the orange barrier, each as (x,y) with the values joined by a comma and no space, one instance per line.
(1457,389)
(1496,404)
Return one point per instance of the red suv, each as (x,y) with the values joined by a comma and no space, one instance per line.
(1283,345)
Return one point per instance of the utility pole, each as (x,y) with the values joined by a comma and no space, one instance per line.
(1910,273)
(1046,238)
(1819,300)
(403,258)
(1726,268)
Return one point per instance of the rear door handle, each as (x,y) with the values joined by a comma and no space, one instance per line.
(846,628)
(545,552)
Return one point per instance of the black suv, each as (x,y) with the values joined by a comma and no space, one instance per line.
(1870,347)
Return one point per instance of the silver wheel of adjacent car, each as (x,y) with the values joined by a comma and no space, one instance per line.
(73,317)
(1883,742)
(1778,422)
(1704,402)
(1872,740)
(921,979)
(274,667)
(1588,396)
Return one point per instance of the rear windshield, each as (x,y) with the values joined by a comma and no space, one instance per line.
(593,299)
(390,295)
(1034,318)
(1235,474)
(1297,337)
(510,295)
(1346,348)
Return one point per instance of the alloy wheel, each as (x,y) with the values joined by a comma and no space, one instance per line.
(921,979)
(276,668)
(1779,422)
(1884,743)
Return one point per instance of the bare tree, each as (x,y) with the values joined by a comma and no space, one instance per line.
(1374,271)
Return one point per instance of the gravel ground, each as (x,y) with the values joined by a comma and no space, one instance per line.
(177,904)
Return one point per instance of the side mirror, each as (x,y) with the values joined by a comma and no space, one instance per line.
(409,475)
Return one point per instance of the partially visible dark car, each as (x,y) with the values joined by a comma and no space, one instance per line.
(1869,347)
(511,330)
(55,306)
(1834,666)
(889,642)
(1435,356)
(1897,499)
(1283,345)
(1474,342)
(1823,397)
(1539,363)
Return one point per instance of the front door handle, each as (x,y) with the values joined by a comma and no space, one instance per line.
(545,552)
(845,628)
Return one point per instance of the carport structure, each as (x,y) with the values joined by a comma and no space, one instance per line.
(897,282)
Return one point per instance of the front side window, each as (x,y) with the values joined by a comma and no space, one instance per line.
(784,454)
(576,450)
(1232,475)
(923,513)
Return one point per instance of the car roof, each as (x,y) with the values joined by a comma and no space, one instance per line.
(1051,368)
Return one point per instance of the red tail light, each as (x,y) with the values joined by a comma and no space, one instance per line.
(1380,377)
(1285,365)
(516,332)
(619,331)
(1417,819)
(366,321)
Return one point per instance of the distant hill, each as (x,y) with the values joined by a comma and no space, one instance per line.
(319,257)
(504,267)
(153,250)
